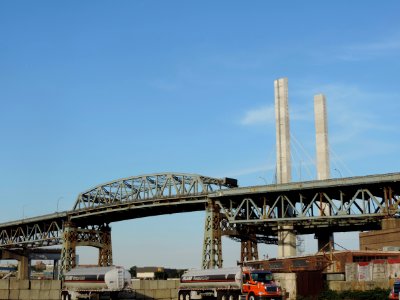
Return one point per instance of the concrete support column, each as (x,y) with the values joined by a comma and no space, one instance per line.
(249,250)
(56,269)
(105,252)
(323,162)
(286,236)
(286,241)
(23,267)
(23,259)
(212,246)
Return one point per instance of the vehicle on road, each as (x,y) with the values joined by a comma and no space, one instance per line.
(229,284)
(395,291)
(92,282)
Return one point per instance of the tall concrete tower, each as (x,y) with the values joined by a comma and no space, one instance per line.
(323,163)
(321,137)
(283,160)
(286,237)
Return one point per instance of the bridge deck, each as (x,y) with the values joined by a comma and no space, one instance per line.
(357,203)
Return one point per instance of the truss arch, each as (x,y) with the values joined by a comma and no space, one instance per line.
(150,187)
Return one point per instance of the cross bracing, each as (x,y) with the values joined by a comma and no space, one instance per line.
(33,232)
(123,199)
(149,187)
(357,203)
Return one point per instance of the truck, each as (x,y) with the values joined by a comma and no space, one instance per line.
(395,291)
(93,282)
(229,284)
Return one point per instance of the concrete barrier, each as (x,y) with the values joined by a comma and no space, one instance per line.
(155,289)
(14,289)
(288,282)
(341,286)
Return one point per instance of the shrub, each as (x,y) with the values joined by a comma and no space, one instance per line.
(376,294)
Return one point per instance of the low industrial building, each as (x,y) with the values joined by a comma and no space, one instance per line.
(148,272)
(339,270)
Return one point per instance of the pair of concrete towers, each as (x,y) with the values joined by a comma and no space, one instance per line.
(286,237)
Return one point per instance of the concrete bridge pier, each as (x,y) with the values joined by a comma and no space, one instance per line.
(23,262)
(23,267)
(286,235)
(286,241)
(323,161)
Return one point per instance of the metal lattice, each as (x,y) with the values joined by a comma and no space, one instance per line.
(212,246)
(32,235)
(148,187)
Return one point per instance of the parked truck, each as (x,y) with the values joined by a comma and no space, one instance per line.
(92,282)
(395,291)
(229,284)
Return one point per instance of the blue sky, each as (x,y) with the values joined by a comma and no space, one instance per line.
(97,90)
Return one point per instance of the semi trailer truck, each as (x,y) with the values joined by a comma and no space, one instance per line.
(395,291)
(229,284)
(92,282)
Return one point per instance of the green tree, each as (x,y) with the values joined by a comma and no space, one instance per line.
(160,275)
(133,271)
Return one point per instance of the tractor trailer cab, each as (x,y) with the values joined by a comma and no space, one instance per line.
(229,284)
(395,291)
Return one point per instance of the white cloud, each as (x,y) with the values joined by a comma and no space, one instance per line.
(262,115)
(352,111)
(365,51)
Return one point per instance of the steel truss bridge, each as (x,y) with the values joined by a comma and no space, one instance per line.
(248,214)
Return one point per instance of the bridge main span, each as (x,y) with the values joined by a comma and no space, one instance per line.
(247,214)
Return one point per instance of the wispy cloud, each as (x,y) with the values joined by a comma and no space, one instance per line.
(262,115)
(363,51)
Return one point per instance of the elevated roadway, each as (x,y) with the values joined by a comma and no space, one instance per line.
(123,199)
(356,203)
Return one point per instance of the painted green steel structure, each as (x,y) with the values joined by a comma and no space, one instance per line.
(248,214)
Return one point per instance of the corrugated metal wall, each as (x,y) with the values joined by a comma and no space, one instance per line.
(309,283)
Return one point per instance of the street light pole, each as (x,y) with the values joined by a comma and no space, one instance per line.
(58,201)
(23,211)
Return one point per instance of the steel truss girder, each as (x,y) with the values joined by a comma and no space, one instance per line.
(32,235)
(243,233)
(287,208)
(149,187)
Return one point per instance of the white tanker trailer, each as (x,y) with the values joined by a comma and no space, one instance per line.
(229,284)
(90,282)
